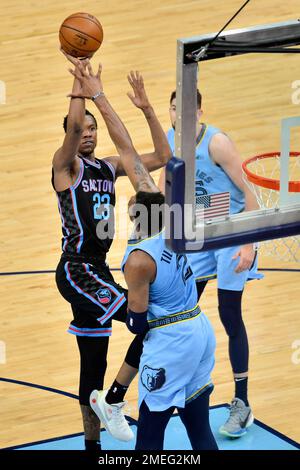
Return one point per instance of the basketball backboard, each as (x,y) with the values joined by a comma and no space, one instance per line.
(245,227)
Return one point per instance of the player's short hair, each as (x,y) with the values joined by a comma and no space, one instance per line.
(199,98)
(149,199)
(87,113)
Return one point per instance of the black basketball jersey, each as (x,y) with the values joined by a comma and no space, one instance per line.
(87,210)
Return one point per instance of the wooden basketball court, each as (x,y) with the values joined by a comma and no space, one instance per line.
(138,35)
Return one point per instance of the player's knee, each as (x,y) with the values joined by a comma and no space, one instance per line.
(230,311)
(93,367)
(231,320)
(229,328)
(135,351)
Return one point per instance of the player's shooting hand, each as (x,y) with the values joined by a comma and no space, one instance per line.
(72,59)
(68,56)
(90,82)
(138,97)
(246,255)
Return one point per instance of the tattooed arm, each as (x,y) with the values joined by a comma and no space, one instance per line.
(130,160)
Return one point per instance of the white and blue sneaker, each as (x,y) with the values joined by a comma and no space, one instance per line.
(240,418)
(111,416)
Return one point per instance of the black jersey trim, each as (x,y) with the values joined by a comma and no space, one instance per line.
(94,164)
(98,162)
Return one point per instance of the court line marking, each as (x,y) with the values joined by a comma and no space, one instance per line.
(46,271)
(277,433)
(132,421)
(52,271)
(41,387)
(45,441)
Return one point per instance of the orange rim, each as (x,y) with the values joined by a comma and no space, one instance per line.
(269,183)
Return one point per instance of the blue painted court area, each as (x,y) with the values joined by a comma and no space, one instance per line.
(258,437)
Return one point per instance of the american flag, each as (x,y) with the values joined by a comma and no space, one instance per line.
(212,205)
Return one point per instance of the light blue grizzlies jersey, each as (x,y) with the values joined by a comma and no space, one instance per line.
(178,351)
(174,288)
(211,178)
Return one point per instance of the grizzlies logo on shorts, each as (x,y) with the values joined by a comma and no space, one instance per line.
(153,379)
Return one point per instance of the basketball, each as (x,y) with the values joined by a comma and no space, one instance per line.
(81,35)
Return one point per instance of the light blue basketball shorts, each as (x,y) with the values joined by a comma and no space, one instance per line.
(176,363)
(219,264)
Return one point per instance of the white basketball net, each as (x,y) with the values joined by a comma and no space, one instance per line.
(285,249)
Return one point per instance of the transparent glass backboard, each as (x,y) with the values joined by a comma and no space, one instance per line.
(248,78)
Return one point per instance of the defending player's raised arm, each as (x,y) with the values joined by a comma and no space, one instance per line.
(139,272)
(225,154)
(162,152)
(129,162)
(64,157)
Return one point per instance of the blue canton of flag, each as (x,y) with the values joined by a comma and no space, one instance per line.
(204,200)
(209,206)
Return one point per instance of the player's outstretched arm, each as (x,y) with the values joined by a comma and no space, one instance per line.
(162,152)
(64,158)
(225,154)
(129,163)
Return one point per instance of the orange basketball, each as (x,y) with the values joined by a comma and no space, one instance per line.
(80,35)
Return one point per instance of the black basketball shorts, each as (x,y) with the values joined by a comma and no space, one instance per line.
(94,296)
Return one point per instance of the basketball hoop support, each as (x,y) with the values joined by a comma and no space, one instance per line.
(283,34)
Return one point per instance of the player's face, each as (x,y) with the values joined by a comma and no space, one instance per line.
(89,137)
(172,111)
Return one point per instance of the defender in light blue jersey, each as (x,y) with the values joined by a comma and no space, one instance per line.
(179,344)
(179,334)
(218,169)
(178,353)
